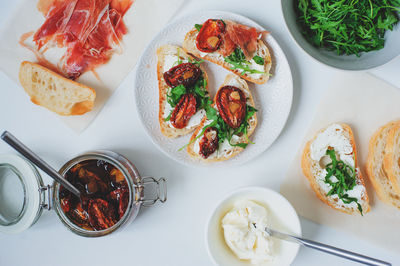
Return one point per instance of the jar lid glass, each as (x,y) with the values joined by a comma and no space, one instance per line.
(21,197)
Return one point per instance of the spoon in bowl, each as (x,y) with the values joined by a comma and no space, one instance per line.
(36,160)
(326,248)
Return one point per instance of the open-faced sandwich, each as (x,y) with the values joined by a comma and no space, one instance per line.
(383,163)
(236,47)
(230,122)
(329,162)
(183,91)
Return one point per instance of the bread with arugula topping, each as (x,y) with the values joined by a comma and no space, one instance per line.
(241,84)
(55,92)
(311,168)
(166,127)
(189,45)
(377,171)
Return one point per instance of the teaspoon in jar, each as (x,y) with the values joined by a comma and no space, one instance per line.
(36,160)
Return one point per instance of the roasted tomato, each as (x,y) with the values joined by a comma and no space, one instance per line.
(209,142)
(210,36)
(101,214)
(231,104)
(186,74)
(121,196)
(184,110)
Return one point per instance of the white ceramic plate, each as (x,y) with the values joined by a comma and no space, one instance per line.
(281,216)
(273,99)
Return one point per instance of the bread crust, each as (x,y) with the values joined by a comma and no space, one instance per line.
(236,150)
(189,45)
(375,169)
(391,161)
(55,92)
(307,167)
(165,127)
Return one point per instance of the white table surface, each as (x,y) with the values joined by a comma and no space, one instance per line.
(170,233)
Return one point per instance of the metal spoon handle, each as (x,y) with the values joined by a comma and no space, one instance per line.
(36,160)
(329,249)
(343,253)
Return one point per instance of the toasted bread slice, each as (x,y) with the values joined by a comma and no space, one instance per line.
(391,161)
(224,153)
(55,92)
(375,169)
(315,173)
(163,65)
(189,45)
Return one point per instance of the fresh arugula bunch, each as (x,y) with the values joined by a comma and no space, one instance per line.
(347,26)
(238,61)
(346,176)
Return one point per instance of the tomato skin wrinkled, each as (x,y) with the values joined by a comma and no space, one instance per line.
(186,74)
(183,111)
(231,104)
(209,142)
(210,36)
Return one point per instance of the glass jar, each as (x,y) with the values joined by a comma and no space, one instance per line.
(36,196)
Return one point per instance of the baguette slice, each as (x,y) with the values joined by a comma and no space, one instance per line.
(375,168)
(310,167)
(189,45)
(55,92)
(232,80)
(391,161)
(166,128)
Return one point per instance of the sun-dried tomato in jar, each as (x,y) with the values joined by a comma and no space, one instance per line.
(105,195)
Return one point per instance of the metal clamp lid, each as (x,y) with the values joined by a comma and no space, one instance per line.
(160,190)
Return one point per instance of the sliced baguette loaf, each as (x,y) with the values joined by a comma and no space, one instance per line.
(391,161)
(55,92)
(375,169)
(163,65)
(315,172)
(189,45)
(223,154)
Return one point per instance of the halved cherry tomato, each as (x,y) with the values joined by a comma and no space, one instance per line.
(210,36)
(186,74)
(183,111)
(231,104)
(209,142)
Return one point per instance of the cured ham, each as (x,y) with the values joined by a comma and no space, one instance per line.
(90,30)
(225,36)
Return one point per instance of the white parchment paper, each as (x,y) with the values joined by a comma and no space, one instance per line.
(143,20)
(365,103)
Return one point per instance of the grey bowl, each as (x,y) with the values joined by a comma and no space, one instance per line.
(345,62)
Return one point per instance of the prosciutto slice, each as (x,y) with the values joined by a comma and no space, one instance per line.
(90,30)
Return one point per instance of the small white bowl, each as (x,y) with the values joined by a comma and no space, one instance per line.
(282,217)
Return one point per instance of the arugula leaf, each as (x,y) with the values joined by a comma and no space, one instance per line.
(198,26)
(238,61)
(168,117)
(347,27)
(346,179)
(175,94)
(258,59)
(196,62)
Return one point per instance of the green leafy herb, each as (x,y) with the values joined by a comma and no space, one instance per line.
(346,179)
(347,26)
(258,59)
(238,61)
(168,117)
(198,26)
(175,94)
(196,62)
